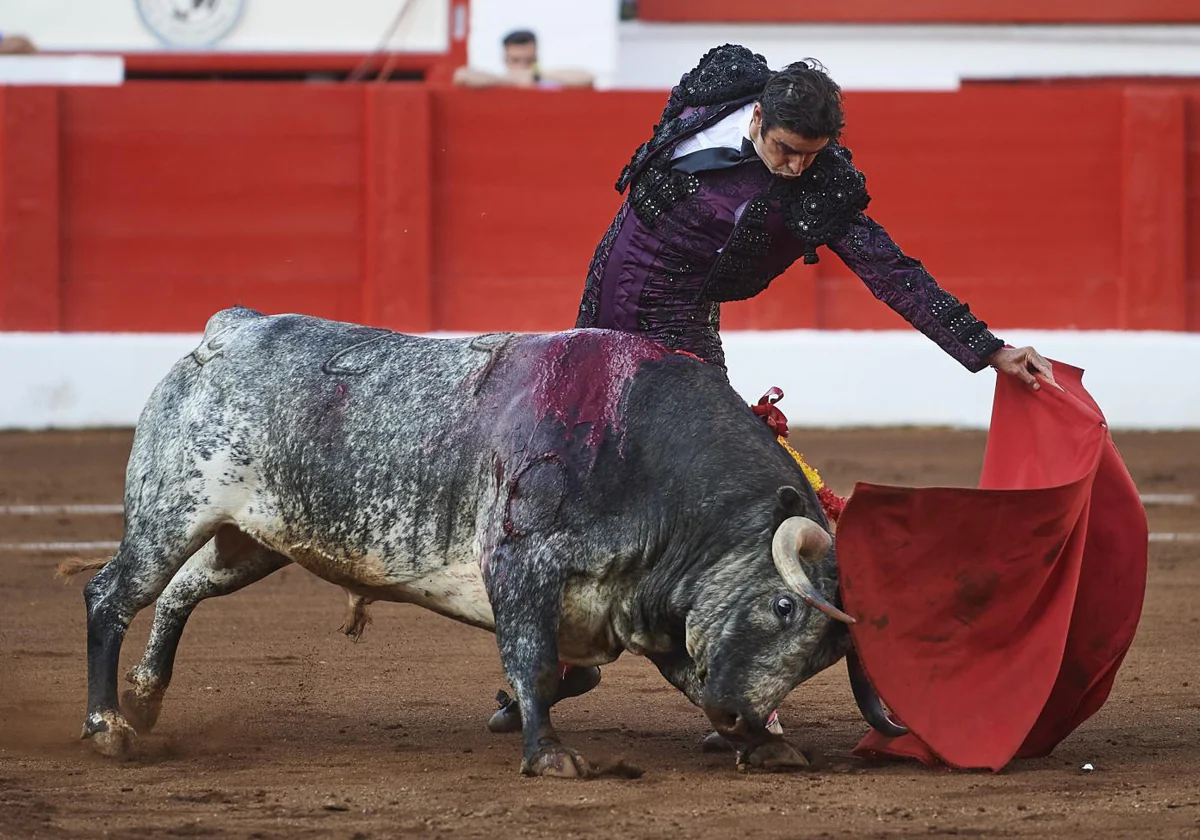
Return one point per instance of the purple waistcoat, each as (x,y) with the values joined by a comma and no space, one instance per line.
(652,280)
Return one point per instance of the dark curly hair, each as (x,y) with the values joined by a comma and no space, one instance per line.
(519,37)
(803,99)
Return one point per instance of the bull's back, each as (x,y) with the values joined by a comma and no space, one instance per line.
(321,371)
(328,441)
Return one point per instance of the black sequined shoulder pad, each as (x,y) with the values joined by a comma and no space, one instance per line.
(724,73)
(820,205)
(727,77)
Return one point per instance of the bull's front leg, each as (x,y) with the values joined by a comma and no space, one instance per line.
(525,588)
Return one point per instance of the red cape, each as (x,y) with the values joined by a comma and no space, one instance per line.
(992,621)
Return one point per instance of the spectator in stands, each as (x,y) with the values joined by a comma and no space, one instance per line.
(522,69)
(16,45)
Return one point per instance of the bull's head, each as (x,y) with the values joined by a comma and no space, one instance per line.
(769,624)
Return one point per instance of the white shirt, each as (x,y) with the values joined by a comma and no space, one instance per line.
(728,132)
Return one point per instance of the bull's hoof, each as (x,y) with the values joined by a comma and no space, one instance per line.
(715,742)
(557,761)
(140,710)
(111,734)
(142,704)
(775,755)
(508,717)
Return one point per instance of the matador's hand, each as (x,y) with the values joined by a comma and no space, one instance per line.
(1024,363)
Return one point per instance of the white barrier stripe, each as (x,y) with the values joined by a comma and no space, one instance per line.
(96,545)
(1175,538)
(59,510)
(104,380)
(1168,498)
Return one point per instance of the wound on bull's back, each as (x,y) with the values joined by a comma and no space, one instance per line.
(580,381)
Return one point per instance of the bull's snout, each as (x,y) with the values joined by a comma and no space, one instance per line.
(730,724)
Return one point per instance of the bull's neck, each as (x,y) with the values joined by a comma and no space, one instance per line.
(689,586)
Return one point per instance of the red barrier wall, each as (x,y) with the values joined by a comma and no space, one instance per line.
(148,207)
(523,192)
(176,197)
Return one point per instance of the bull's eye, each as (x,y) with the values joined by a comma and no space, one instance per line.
(784,606)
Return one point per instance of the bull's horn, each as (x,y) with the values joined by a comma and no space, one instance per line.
(798,539)
(868,699)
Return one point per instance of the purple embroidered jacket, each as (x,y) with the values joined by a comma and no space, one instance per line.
(678,246)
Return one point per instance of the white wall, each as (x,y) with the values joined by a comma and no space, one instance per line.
(266,25)
(62,69)
(571,33)
(829,378)
(841,378)
(877,57)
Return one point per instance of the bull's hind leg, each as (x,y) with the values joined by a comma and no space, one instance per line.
(526,602)
(227,563)
(149,555)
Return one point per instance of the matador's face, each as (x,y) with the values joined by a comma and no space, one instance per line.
(785,153)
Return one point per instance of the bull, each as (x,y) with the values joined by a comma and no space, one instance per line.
(579,494)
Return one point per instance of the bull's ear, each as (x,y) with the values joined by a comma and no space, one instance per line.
(788,502)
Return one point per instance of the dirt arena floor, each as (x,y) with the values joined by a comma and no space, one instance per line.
(277,726)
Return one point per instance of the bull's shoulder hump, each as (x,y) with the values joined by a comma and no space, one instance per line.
(221,328)
(228,319)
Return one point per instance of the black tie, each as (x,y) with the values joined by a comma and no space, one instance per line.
(717,157)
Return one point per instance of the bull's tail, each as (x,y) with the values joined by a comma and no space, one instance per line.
(357,617)
(72,566)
